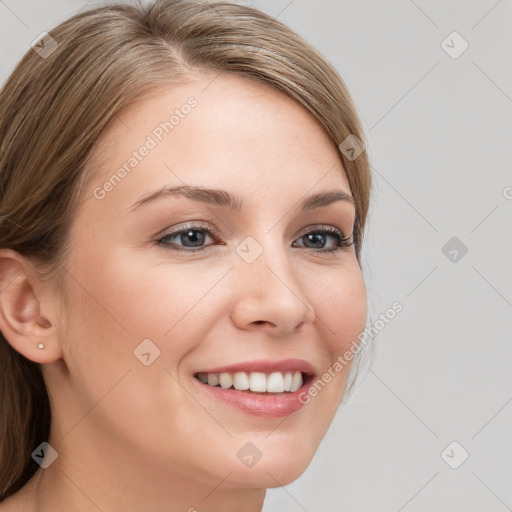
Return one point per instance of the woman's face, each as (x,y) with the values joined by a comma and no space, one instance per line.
(145,314)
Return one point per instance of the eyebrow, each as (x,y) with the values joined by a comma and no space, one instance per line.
(225,199)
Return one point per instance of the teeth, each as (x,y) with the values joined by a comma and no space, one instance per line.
(213,379)
(296,381)
(288,381)
(275,383)
(241,381)
(259,382)
(225,380)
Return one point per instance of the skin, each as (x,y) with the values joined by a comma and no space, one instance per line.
(132,437)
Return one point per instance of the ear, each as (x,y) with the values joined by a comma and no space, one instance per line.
(23,325)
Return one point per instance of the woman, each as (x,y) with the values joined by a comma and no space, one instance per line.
(184,193)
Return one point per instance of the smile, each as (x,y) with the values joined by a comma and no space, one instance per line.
(276,382)
(268,389)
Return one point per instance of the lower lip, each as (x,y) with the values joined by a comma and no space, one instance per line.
(268,405)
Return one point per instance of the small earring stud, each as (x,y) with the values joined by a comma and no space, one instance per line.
(40,346)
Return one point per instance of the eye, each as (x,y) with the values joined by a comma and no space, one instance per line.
(318,239)
(192,237)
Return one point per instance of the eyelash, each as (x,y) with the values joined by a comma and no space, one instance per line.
(342,242)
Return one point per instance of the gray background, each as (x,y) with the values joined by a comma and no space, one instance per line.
(439,139)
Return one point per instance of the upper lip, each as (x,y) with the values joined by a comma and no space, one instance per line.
(265,366)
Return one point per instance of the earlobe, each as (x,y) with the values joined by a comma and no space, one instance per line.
(22,324)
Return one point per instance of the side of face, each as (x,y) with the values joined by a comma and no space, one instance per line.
(206,309)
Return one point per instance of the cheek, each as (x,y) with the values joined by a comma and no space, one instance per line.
(114,304)
(125,300)
(341,309)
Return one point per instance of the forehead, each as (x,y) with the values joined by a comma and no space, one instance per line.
(226,132)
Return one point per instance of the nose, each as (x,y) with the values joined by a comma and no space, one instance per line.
(269,296)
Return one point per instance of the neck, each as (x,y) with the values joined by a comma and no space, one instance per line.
(87,479)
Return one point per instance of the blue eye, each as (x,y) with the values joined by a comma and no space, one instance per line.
(188,237)
(319,236)
(193,236)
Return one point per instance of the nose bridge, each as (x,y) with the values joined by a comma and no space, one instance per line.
(268,289)
(265,263)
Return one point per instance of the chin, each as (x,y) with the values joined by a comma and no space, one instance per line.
(274,469)
(266,477)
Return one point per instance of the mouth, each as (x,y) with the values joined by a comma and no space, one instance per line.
(266,389)
(256,382)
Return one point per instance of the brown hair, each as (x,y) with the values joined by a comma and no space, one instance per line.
(54,107)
